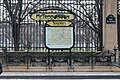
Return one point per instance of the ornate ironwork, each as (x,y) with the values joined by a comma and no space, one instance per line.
(19,32)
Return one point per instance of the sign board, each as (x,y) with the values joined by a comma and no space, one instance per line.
(110,19)
(51,16)
(59,23)
(59,37)
(59,31)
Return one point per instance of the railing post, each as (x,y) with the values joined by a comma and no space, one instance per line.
(92,60)
(115,51)
(70,60)
(27,59)
(115,62)
(5,56)
(49,59)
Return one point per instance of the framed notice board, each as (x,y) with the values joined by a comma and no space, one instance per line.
(59,35)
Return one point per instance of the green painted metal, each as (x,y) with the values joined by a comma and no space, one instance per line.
(18,32)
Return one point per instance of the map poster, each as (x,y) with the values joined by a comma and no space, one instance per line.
(59,37)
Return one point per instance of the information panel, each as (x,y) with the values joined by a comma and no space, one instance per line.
(59,37)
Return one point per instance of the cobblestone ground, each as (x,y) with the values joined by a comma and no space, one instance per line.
(102,75)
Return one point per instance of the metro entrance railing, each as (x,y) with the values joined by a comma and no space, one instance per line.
(58,58)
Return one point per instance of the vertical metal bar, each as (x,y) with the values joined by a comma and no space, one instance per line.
(23,35)
(100,25)
(92,60)
(119,29)
(118,25)
(49,59)
(80,28)
(5,27)
(27,59)
(89,37)
(10,37)
(3,13)
(115,52)
(19,20)
(5,56)
(37,37)
(40,34)
(70,59)
(0,24)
